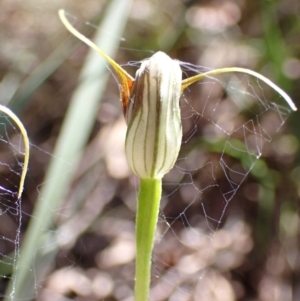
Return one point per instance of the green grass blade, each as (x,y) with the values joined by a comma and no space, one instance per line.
(76,129)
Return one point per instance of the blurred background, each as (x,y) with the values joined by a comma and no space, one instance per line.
(76,237)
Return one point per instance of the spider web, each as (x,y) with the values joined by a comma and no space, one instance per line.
(228,124)
(11,165)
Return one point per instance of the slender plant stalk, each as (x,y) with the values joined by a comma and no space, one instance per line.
(146,221)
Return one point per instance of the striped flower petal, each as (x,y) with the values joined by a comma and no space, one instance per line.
(154,131)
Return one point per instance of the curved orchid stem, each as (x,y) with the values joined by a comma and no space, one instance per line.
(84,39)
(193,79)
(126,79)
(26,145)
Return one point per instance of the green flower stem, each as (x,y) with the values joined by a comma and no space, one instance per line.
(146,221)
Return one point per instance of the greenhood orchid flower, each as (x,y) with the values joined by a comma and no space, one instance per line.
(151,109)
(153,116)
